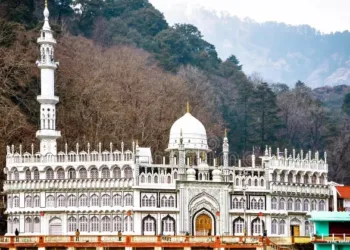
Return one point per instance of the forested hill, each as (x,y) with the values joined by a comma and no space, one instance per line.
(279,52)
(126,74)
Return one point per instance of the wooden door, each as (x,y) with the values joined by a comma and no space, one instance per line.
(203,225)
(296,231)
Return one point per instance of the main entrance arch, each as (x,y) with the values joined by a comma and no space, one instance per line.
(203,225)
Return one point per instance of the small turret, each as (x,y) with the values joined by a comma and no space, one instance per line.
(225,149)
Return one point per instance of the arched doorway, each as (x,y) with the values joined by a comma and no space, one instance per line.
(55,226)
(203,225)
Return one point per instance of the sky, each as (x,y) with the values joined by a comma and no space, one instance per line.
(324,15)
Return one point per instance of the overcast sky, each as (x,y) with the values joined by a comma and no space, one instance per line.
(324,15)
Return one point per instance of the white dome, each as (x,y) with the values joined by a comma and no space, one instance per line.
(193,133)
(191,171)
(216,172)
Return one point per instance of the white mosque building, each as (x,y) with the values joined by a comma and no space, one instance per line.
(101,192)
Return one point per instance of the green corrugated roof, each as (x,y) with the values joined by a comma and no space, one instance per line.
(329,216)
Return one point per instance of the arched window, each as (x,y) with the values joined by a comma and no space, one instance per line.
(238,226)
(253,204)
(155,179)
(143,179)
(28,225)
(262,183)
(298,178)
(274,226)
(83,224)
(106,200)
(235,203)
(126,228)
(313,179)
(309,228)
(249,182)
(128,173)
(149,179)
(117,200)
(60,174)
(237,182)
(321,206)
(321,180)
(83,200)
(281,205)
(117,224)
(257,226)
(49,174)
(16,174)
(149,225)
(290,178)
(71,174)
(274,203)
(282,177)
(314,205)
(128,200)
(94,224)
(50,201)
(72,200)
(36,225)
(36,201)
(72,224)
(290,204)
(274,177)
(168,225)
(94,201)
(106,224)
(164,202)
(82,173)
(171,201)
(261,204)
(16,201)
(255,182)
(144,201)
(297,205)
(15,224)
(306,205)
(36,175)
(116,172)
(242,203)
(152,201)
(61,201)
(28,174)
(306,179)
(94,173)
(282,226)
(105,172)
(175,176)
(28,201)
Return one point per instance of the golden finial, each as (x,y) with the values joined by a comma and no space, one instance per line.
(225,132)
(188,107)
(45,3)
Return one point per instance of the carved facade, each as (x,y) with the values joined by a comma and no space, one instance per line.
(105,191)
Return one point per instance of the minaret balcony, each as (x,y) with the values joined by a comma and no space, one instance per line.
(47,64)
(47,99)
(46,40)
(45,133)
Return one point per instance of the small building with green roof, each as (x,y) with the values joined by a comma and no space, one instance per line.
(332,230)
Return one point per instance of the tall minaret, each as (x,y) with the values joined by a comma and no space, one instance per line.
(47,133)
(225,149)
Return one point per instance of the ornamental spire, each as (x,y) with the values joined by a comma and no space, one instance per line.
(188,107)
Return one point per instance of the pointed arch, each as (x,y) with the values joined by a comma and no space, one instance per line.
(168,225)
(149,225)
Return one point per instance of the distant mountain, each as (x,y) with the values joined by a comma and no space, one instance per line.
(279,52)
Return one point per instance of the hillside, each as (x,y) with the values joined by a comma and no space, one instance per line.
(279,52)
(126,74)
